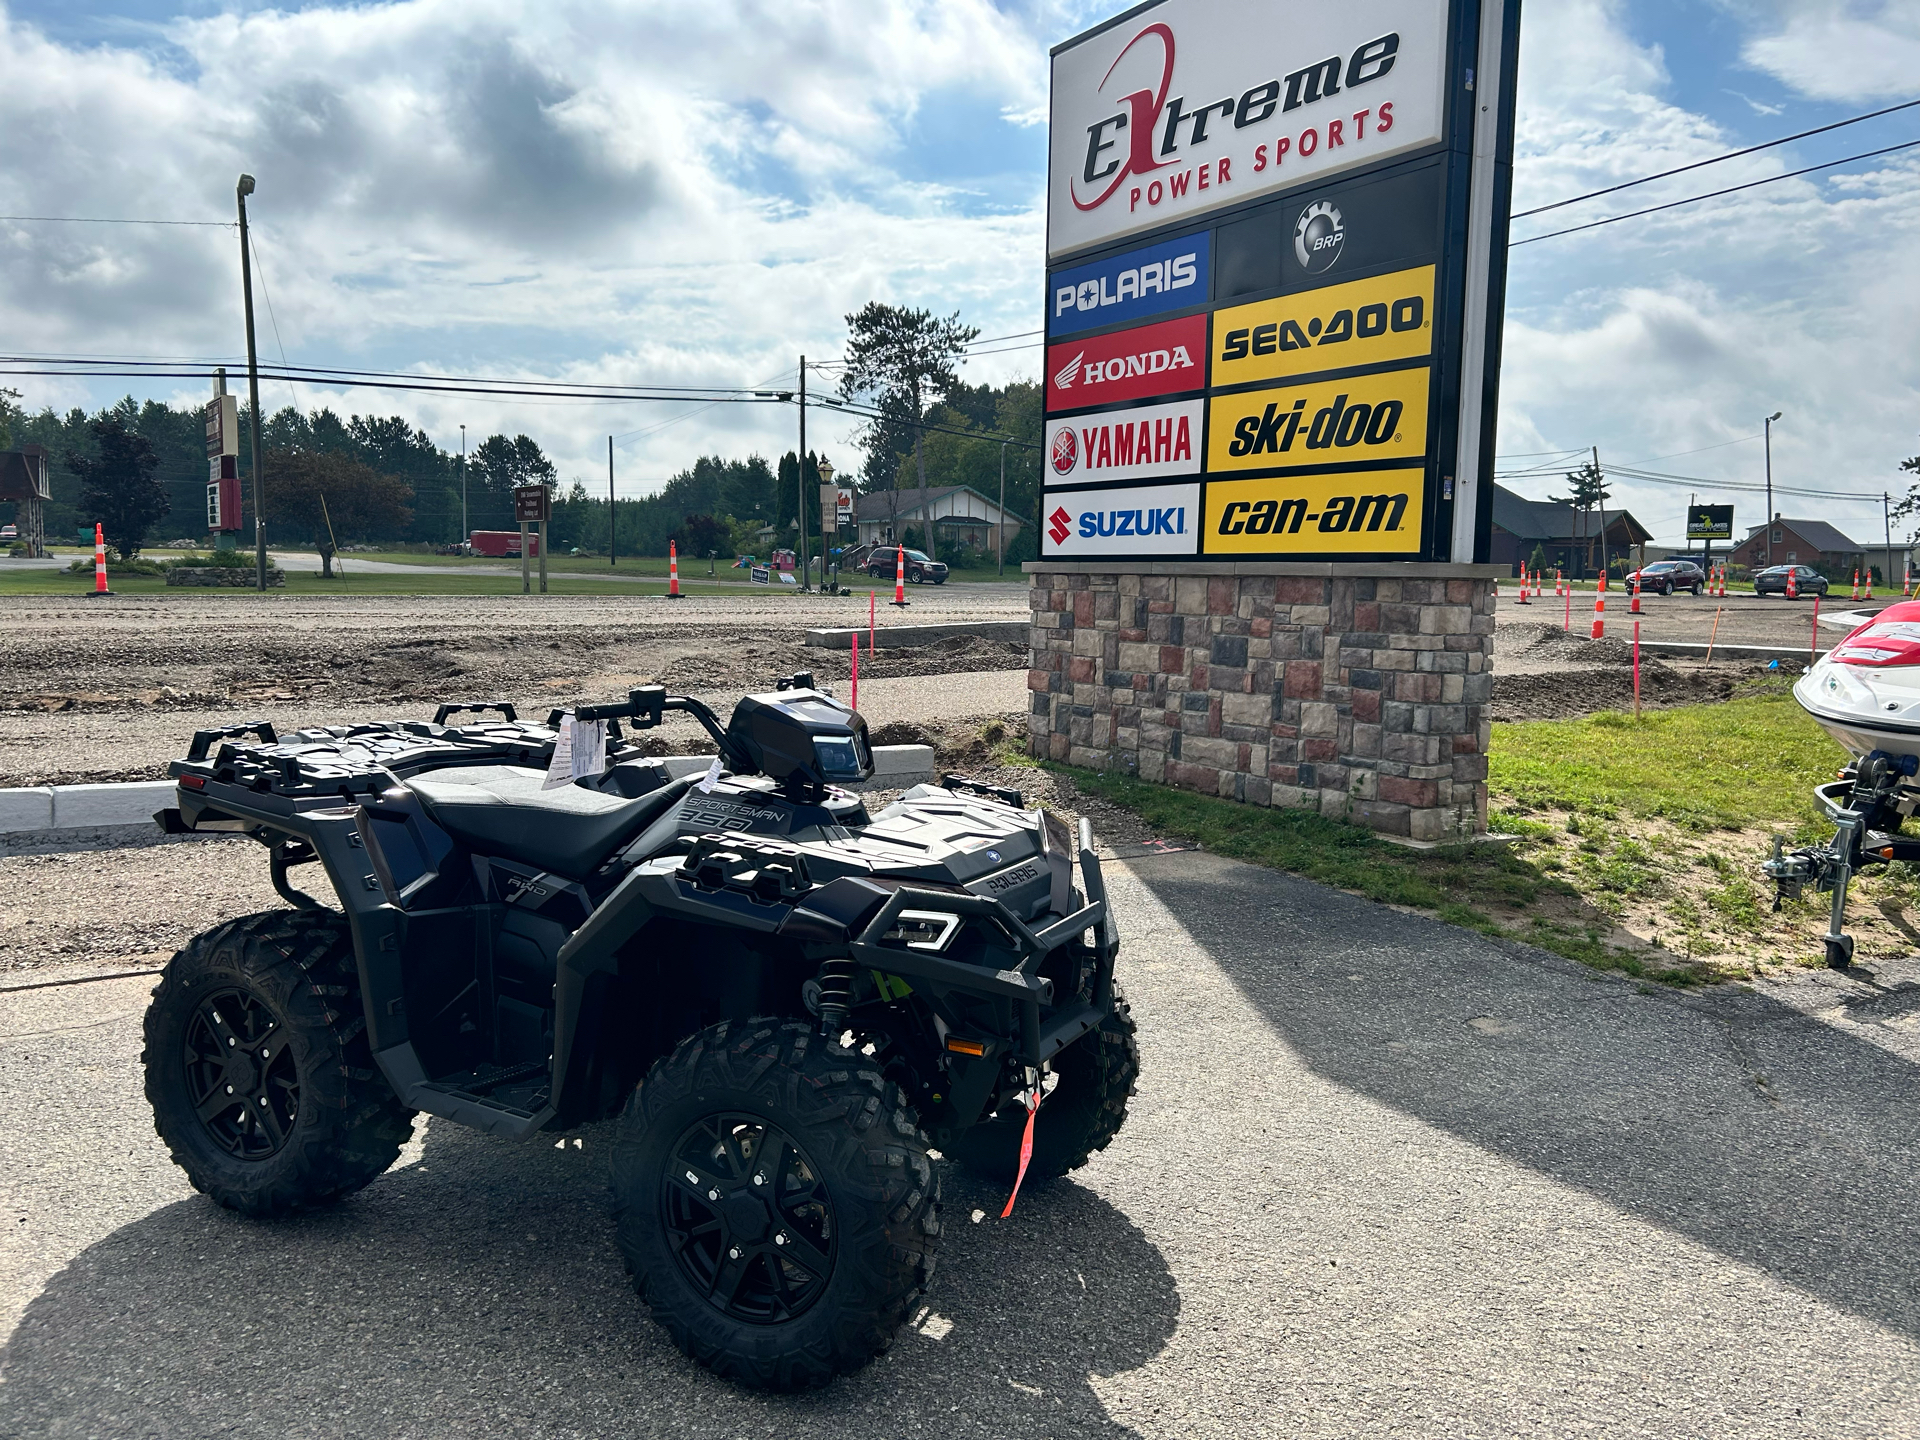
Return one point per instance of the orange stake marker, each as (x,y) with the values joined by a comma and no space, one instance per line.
(1715,635)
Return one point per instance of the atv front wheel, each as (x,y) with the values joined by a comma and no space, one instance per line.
(1080,1115)
(258,1070)
(776,1203)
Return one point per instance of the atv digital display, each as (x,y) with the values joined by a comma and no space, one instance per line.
(843,759)
(802,737)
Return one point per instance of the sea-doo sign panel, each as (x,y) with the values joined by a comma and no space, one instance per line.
(1193,104)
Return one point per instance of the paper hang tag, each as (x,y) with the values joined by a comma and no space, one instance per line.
(711,778)
(580,752)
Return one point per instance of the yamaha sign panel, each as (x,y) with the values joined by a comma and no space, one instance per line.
(1276,236)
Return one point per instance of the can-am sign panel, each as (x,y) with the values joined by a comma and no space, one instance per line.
(1196,104)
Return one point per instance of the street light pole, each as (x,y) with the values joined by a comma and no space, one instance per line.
(1001,528)
(1769,516)
(801,517)
(241,190)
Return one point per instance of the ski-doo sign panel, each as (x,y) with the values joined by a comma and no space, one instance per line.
(1186,106)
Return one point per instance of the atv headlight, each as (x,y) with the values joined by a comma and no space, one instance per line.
(924,929)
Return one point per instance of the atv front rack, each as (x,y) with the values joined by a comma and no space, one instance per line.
(1867,805)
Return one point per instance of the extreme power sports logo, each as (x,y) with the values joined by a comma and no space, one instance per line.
(1140,139)
(1162,359)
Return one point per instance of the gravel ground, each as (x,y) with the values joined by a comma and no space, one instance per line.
(1542,673)
(1743,619)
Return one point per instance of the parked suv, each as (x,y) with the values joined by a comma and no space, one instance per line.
(1773,581)
(921,569)
(1667,576)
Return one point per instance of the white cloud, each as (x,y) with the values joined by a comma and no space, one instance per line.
(1838,49)
(1678,331)
(647,191)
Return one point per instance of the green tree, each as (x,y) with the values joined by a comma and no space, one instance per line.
(117,483)
(1589,487)
(494,469)
(899,360)
(328,496)
(10,415)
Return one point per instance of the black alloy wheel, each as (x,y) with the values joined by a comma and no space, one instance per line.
(240,1074)
(748,1219)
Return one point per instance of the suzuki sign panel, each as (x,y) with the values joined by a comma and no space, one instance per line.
(1185,106)
(1139,520)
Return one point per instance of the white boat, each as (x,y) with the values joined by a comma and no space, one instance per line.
(1865,691)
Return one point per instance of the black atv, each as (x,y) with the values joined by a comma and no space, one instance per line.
(789,1004)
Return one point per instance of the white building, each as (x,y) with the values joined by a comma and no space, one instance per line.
(961,517)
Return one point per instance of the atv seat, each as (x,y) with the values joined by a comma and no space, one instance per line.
(501,810)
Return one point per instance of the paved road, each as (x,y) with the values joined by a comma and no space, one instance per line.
(1381,1178)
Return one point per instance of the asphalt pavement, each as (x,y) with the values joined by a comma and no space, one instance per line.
(1382,1177)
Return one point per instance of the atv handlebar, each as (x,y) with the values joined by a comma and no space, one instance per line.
(505,708)
(203,739)
(647,706)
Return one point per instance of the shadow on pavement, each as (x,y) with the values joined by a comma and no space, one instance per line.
(1724,1116)
(478,1292)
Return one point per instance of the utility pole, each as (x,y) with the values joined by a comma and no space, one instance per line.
(1600,496)
(240,192)
(465,533)
(1770,419)
(802,477)
(613,538)
(1886,520)
(1001,528)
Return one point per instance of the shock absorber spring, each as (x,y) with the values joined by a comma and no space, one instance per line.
(836,994)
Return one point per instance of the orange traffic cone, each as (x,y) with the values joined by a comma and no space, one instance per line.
(1523,585)
(1634,608)
(673,571)
(1906,588)
(1600,609)
(100,561)
(900,575)
(1856,584)
(1867,594)
(1793,588)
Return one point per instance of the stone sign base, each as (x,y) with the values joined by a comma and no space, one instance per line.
(1359,691)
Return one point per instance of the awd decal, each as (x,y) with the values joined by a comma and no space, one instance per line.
(1363,322)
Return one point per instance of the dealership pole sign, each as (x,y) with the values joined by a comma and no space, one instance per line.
(1276,242)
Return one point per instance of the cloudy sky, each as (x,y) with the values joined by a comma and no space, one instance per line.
(661,192)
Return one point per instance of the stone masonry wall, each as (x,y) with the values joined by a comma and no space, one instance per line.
(1361,696)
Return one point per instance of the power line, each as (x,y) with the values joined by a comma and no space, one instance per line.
(1730,155)
(96,220)
(1714,195)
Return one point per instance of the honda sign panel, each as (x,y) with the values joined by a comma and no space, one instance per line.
(1163,359)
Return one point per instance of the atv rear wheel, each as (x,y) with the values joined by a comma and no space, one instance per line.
(776,1203)
(1081,1114)
(258,1070)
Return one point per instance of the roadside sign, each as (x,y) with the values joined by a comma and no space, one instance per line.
(1710,522)
(222,417)
(531,504)
(837,501)
(760,575)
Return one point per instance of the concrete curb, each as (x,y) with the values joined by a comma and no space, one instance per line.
(890,637)
(36,818)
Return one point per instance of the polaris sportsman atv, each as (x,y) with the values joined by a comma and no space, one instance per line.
(786,1003)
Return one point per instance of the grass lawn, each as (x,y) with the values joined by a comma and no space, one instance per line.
(1634,846)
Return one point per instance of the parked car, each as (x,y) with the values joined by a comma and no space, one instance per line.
(1773,581)
(1663,577)
(921,569)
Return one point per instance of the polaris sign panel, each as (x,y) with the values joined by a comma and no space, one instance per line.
(1163,359)
(1172,275)
(1139,520)
(1142,443)
(1189,105)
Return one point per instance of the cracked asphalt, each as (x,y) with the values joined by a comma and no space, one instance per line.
(1382,1178)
